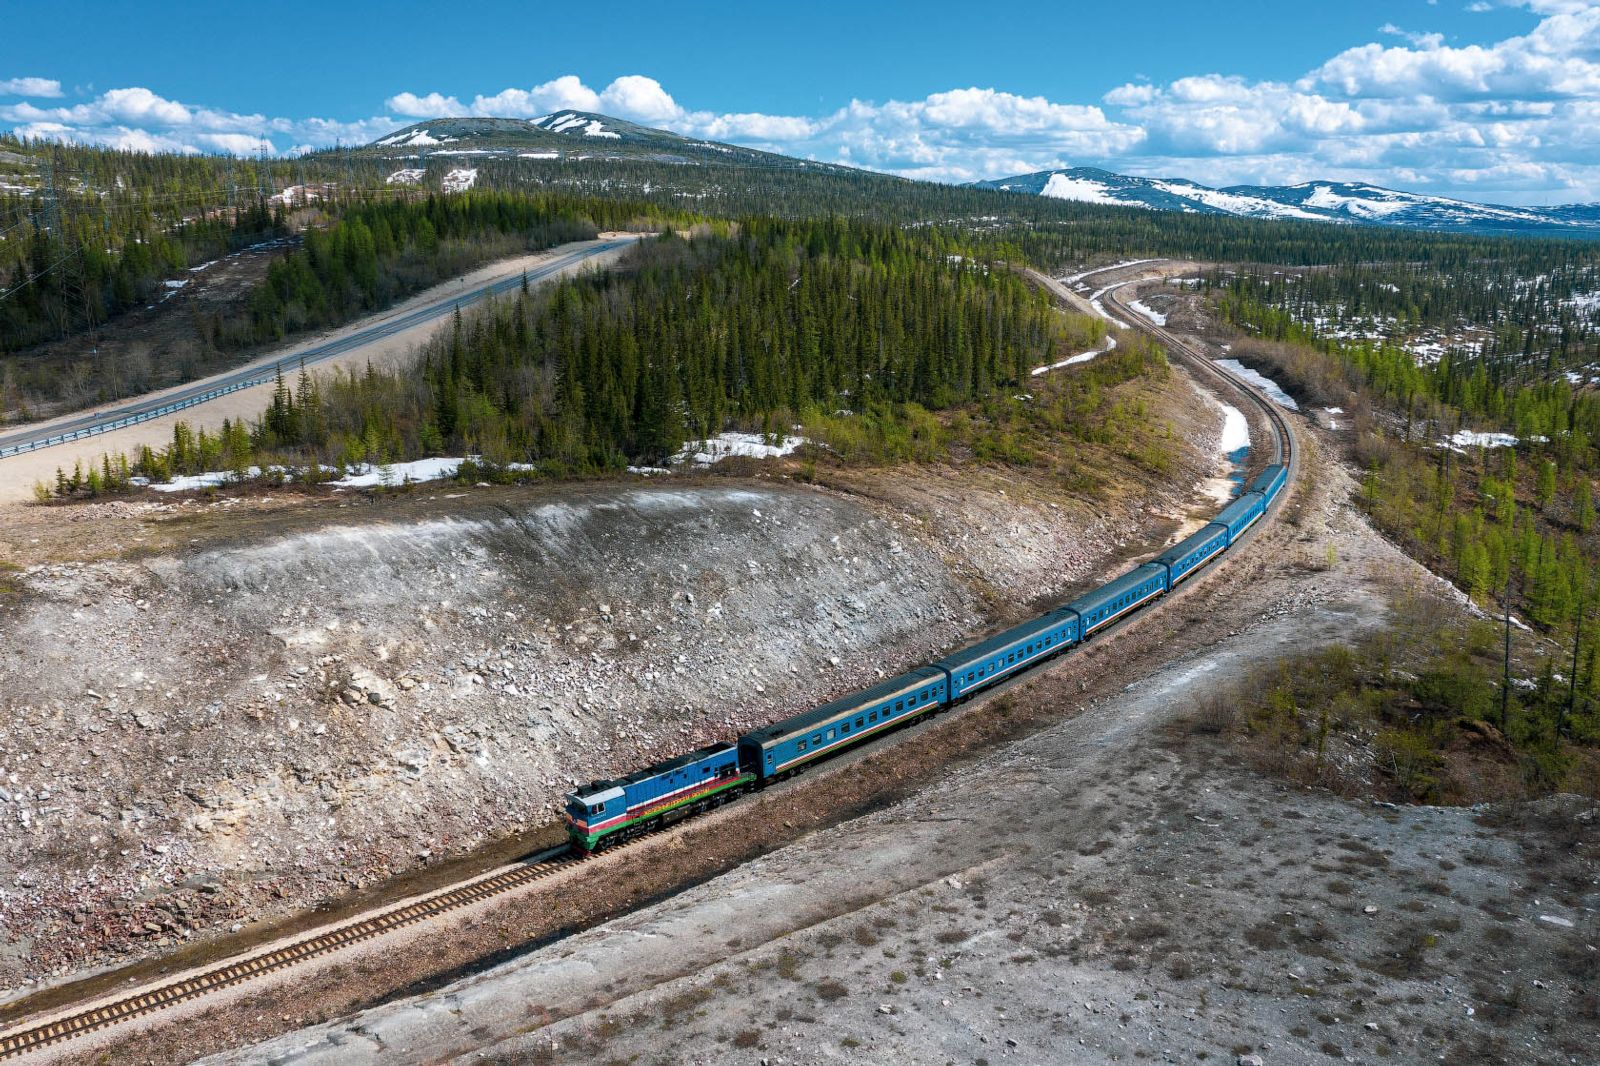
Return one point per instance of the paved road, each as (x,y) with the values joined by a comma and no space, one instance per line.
(136,411)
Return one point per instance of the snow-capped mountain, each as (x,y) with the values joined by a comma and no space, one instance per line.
(1317,201)
(569,135)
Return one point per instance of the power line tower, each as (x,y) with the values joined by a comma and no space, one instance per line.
(263,178)
(51,200)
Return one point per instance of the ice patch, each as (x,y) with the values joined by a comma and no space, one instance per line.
(1265,384)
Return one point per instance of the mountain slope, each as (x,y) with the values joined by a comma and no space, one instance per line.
(1325,201)
(570,135)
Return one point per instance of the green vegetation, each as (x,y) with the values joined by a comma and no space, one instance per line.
(877,345)
(1486,518)
(103,229)
(378,253)
(1414,713)
(1509,526)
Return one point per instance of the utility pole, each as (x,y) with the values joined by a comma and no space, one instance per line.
(1563,713)
(1505,684)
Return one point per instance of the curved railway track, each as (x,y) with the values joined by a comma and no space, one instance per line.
(72,1024)
(1283,449)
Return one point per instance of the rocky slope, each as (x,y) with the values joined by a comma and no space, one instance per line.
(222,710)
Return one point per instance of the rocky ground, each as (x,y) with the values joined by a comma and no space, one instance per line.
(224,710)
(1117,886)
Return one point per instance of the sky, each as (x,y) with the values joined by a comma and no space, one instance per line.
(1490,100)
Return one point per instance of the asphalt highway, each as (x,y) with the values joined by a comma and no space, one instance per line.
(143,410)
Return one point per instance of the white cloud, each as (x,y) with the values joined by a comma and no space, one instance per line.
(30,87)
(1517,118)
(638,97)
(566,93)
(431,106)
(135,118)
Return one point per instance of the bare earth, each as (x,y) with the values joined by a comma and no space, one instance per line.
(220,712)
(1072,871)
(1113,888)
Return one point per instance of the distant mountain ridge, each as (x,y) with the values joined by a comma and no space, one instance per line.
(1315,201)
(571,135)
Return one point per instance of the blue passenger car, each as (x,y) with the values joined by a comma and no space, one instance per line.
(1005,653)
(1119,596)
(1191,553)
(1270,481)
(793,742)
(1242,513)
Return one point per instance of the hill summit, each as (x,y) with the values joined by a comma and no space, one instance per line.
(1315,201)
(571,135)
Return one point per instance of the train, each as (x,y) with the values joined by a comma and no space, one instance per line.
(607,812)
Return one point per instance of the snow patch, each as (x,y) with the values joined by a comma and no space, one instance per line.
(1468,438)
(1260,381)
(1081,190)
(460,179)
(366,475)
(725,445)
(1235,430)
(1111,342)
(1075,278)
(407,176)
(1149,312)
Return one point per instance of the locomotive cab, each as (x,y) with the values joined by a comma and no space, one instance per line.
(592,807)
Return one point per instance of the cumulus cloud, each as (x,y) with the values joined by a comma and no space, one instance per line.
(1517,118)
(48,87)
(137,119)
(433,105)
(959,134)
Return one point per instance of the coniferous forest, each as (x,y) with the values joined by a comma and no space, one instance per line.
(765,323)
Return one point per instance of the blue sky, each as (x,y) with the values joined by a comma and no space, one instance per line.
(1488,99)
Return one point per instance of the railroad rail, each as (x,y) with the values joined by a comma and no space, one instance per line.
(72,1024)
(1283,450)
(271,959)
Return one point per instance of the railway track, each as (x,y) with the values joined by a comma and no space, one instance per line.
(204,982)
(73,1024)
(1283,449)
